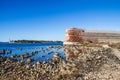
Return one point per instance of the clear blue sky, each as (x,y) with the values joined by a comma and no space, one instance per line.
(48,19)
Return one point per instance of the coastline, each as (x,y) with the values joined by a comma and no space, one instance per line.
(91,62)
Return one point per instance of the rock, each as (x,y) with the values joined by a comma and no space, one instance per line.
(20,49)
(28,61)
(50,52)
(38,63)
(35,51)
(105,46)
(3,51)
(27,66)
(31,54)
(43,56)
(3,71)
(26,55)
(9,52)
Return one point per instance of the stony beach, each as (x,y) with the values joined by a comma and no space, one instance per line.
(89,61)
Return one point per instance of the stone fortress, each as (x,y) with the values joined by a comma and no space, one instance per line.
(75,35)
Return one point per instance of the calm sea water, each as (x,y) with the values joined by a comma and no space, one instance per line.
(22,48)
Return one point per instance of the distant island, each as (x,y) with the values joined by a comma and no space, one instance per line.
(34,41)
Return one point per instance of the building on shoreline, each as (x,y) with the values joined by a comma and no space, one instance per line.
(76,35)
(73,36)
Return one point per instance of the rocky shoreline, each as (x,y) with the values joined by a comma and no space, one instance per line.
(89,62)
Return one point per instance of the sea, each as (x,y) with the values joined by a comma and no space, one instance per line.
(42,49)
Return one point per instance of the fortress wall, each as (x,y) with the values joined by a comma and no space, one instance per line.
(101,34)
(74,35)
(101,37)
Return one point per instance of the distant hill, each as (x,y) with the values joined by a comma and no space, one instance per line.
(3,42)
(34,41)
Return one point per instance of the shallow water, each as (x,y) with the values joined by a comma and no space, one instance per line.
(41,49)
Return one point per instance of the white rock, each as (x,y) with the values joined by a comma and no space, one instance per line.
(105,46)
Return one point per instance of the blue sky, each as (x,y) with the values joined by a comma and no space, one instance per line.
(48,19)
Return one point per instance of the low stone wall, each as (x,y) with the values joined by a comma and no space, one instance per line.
(109,40)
